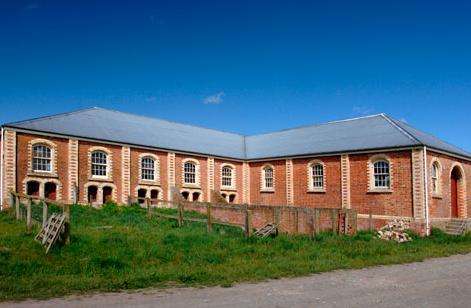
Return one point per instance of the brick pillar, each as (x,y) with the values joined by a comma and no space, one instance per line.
(9,164)
(245,183)
(126,174)
(210,178)
(345,177)
(73,171)
(171,173)
(418,185)
(289,182)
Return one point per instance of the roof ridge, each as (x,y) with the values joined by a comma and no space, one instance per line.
(319,124)
(168,121)
(402,130)
(51,116)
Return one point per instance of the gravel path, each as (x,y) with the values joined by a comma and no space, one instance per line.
(444,282)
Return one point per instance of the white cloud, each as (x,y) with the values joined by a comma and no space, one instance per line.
(214,99)
(362,110)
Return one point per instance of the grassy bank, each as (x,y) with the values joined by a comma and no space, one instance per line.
(119,248)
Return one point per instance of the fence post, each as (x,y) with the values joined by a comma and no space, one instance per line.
(297,221)
(17,207)
(44,213)
(149,214)
(180,214)
(370,220)
(335,216)
(209,219)
(67,223)
(248,222)
(28,215)
(317,226)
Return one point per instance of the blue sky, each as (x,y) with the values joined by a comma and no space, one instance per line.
(241,66)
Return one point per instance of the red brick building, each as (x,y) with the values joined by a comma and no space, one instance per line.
(373,164)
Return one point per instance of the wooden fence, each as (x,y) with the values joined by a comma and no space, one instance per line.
(36,211)
(288,219)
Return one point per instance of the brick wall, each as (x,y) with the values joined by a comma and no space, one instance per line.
(397,202)
(331,196)
(440,203)
(278,196)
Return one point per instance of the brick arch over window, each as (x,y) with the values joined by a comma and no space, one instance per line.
(233,176)
(109,163)
(378,159)
(156,180)
(462,192)
(100,186)
(42,183)
(197,172)
(267,178)
(148,189)
(316,176)
(49,144)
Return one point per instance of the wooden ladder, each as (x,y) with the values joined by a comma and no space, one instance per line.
(50,233)
(267,230)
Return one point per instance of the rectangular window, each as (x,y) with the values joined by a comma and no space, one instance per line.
(42,158)
(99,164)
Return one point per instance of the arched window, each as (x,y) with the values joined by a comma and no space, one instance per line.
(435,177)
(226,176)
(317,176)
(99,164)
(189,173)
(382,177)
(267,182)
(42,158)
(148,168)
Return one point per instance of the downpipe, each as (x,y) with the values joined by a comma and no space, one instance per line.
(427,216)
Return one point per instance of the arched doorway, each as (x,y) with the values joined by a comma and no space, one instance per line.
(92,193)
(50,191)
(456,178)
(107,194)
(32,188)
(141,195)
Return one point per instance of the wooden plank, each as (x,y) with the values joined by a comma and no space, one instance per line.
(317,222)
(17,207)
(44,213)
(208,219)
(248,222)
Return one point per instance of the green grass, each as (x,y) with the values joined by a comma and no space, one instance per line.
(139,253)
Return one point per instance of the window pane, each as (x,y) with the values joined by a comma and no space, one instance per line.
(190,173)
(41,158)
(226,177)
(268,177)
(381,174)
(99,163)
(148,169)
(318,176)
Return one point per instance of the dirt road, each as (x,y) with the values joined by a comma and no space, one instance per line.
(444,282)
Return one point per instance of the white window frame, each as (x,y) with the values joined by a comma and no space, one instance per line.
(148,168)
(225,177)
(197,174)
(105,164)
(49,159)
(435,179)
(378,176)
(263,177)
(311,177)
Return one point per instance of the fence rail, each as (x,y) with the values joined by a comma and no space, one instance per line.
(288,219)
(38,213)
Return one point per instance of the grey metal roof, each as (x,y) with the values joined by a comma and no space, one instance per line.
(366,133)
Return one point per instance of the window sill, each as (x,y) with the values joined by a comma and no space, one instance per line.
(380,191)
(316,191)
(194,186)
(437,196)
(100,179)
(224,188)
(265,190)
(44,174)
(148,182)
